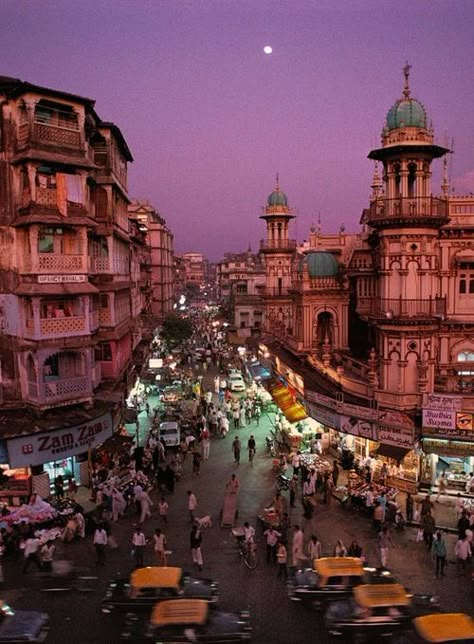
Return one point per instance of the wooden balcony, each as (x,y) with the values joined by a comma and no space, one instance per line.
(402,309)
(412,210)
(56,327)
(60,390)
(56,135)
(100,265)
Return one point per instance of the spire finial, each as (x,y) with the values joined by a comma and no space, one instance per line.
(319,222)
(406,73)
(277,182)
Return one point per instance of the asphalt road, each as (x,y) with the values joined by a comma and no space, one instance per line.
(76,618)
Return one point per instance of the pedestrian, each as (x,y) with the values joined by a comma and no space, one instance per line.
(257,414)
(233,485)
(163,510)
(196,541)
(145,503)
(138,545)
(46,555)
(314,548)
(462,550)
(442,486)
(59,487)
(197,458)
(340,549)
(147,408)
(335,474)
(271,540)
(384,541)
(282,559)
(236,445)
(426,506)
(354,550)
(297,546)
(236,416)
(293,487)
(409,507)
(192,504)
(429,527)
(100,541)
(295,462)
(439,553)
(252,448)
(159,546)
(206,442)
(463,524)
(31,553)
(328,488)
(242,417)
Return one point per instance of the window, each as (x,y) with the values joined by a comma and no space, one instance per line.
(103,352)
(466,356)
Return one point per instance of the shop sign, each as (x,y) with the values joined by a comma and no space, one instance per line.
(403,485)
(447,448)
(396,435)
(36,449)
(61,279)
(445,402)
(356,427)
(462,427)
(323,416)
(320,399)
(357,410)
(439,418)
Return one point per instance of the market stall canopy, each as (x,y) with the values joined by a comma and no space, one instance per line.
(292,409)
(396,452)
(117,442)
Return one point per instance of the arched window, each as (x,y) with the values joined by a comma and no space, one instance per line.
(465,356)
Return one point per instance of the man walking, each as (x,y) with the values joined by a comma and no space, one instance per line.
(100,541)
(192,504)
(439,553)
(384,541)
(271,537)
(138,545)
(236,445)
(196,541)
(252,448)
(297,549)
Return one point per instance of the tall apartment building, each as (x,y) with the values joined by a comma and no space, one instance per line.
(71,269)
(160,242)
(194,266)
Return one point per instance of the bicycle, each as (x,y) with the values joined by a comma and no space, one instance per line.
(247,550)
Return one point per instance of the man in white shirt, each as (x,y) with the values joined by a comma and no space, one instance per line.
(138,543)
(297,548)
(100,541)
(249,533)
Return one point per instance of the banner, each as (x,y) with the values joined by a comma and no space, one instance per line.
(357,427)
(323,416)
(44,447)
(446,402)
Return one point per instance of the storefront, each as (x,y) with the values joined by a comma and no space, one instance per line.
(447,443)
(47,454)
(396,436)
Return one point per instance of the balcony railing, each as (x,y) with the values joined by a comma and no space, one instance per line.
(278,244)
(57,134)
(57,391)
(394,309)
(100,265)
(52,262)
(408,207)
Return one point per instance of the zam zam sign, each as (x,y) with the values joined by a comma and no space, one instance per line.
(36,449)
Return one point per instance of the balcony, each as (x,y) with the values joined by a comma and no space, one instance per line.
(60,391)
(56,327)
(278,244)
(414,210)
(401,309)
(50,133)
(100,265)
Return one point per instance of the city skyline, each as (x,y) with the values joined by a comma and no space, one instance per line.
(210,118)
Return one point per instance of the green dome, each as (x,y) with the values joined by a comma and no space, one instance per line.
(277,198)
(320,264)
(406,112)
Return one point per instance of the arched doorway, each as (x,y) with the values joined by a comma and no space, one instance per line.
(323,329)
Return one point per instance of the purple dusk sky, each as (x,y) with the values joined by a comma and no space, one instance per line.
(210,118)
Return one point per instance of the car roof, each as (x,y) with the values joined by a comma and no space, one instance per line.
(235,376)
(156,577)
(445,627)
(338,566)
(169,424)
(180,611)
(377,595)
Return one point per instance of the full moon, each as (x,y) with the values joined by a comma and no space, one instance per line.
(267,49)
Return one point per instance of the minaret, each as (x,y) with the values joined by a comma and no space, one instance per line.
(405,219)
(278,249)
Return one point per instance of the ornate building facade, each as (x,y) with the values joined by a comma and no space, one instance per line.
(385,318)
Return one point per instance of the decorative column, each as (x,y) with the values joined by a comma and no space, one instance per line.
(326,351)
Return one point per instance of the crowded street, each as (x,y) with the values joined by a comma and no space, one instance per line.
(274,617)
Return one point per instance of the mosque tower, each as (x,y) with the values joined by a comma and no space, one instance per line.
(405,219)
(278,250)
